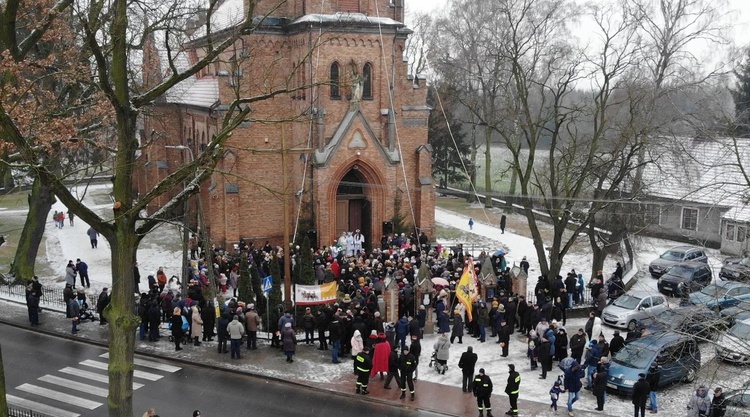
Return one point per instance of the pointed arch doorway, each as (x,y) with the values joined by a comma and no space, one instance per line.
(353,208)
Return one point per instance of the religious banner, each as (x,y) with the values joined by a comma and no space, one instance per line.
(307,295)
(466,290)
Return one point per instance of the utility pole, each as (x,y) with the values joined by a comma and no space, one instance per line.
(285,180)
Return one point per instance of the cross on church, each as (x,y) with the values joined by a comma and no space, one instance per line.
(285,193)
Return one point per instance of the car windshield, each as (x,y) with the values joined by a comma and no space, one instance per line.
(627,302)
(672,255)
(681,271)
(740,330)
(634,356)
(713,290)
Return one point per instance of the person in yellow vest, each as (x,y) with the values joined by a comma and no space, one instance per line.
(482,391)
(514,384)
(363,365)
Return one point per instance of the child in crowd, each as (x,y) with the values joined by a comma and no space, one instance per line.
(554,395)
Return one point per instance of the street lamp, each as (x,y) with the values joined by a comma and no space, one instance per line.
(185,231)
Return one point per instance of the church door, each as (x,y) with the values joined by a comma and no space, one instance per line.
(353,209)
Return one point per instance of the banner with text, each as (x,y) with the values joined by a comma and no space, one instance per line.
(307,295)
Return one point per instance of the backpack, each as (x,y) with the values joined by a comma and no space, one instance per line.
(185,325)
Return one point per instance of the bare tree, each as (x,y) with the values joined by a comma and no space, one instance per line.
(113,33)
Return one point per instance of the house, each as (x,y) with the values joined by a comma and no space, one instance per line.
(351,139)
(697,192)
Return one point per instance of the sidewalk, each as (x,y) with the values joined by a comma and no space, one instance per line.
(311,368)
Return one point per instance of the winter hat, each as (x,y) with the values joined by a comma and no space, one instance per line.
(557,383)
(495,304)
(287,325)
(251,306)
(374,334)
(481,370)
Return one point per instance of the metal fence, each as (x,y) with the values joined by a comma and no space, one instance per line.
(51,296)
(19,412)
(586,301)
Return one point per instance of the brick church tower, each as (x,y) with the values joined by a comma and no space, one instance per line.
(354,130)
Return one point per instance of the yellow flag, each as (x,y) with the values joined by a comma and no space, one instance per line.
(466,290)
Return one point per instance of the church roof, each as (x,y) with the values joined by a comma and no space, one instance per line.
(358,18)
(231,13)
(197,92)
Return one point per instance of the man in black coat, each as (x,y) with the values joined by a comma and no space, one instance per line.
(101,303)
(416,350)
(652,377)
(718,406)
(616,343)
(503,337)
(577,344)
(466,363)
(641,391)
(334,335)
(393,360)
(482,391)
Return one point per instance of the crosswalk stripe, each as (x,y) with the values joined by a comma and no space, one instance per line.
(39,407)
(92,376)
(56,380)
(149,364)
(59,396)
(138,374)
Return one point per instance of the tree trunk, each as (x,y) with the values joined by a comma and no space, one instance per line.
(488,166)
(473,169)
(41,200)
(122,321)
(6,176)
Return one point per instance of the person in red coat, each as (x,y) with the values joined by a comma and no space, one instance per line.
(381,356)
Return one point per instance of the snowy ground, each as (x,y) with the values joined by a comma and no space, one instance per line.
(163,249)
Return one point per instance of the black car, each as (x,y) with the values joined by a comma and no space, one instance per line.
(698,321)
(685,277)
(736,271)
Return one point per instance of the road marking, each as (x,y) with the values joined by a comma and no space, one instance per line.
(59,396)
(56,380)
(93,376)
(137,374)
(149,364)
(39,407)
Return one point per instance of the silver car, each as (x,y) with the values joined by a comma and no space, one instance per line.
(630,308)
(674,256)
(732,346)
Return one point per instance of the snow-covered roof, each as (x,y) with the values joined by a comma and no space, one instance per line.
(359,18)
(705,171)
(231,13)
(199,92)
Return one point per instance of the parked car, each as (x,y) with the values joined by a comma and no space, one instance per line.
(737,403)
(697,321)
(732,346)
(736,271)
(630,308)
(678,355)
(676,255)
(685,277)
(721,295)
(733,314)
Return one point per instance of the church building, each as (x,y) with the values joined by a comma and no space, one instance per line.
(340,152)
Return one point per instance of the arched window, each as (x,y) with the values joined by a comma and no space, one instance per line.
(335,93)
(367,85)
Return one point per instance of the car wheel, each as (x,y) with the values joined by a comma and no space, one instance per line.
(631,325)
(690,376)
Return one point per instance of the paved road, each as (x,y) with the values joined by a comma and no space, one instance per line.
(64,378)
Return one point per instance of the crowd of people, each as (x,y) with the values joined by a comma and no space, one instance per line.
(355,328)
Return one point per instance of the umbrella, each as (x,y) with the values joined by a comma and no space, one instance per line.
(440,281)
(500,253)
